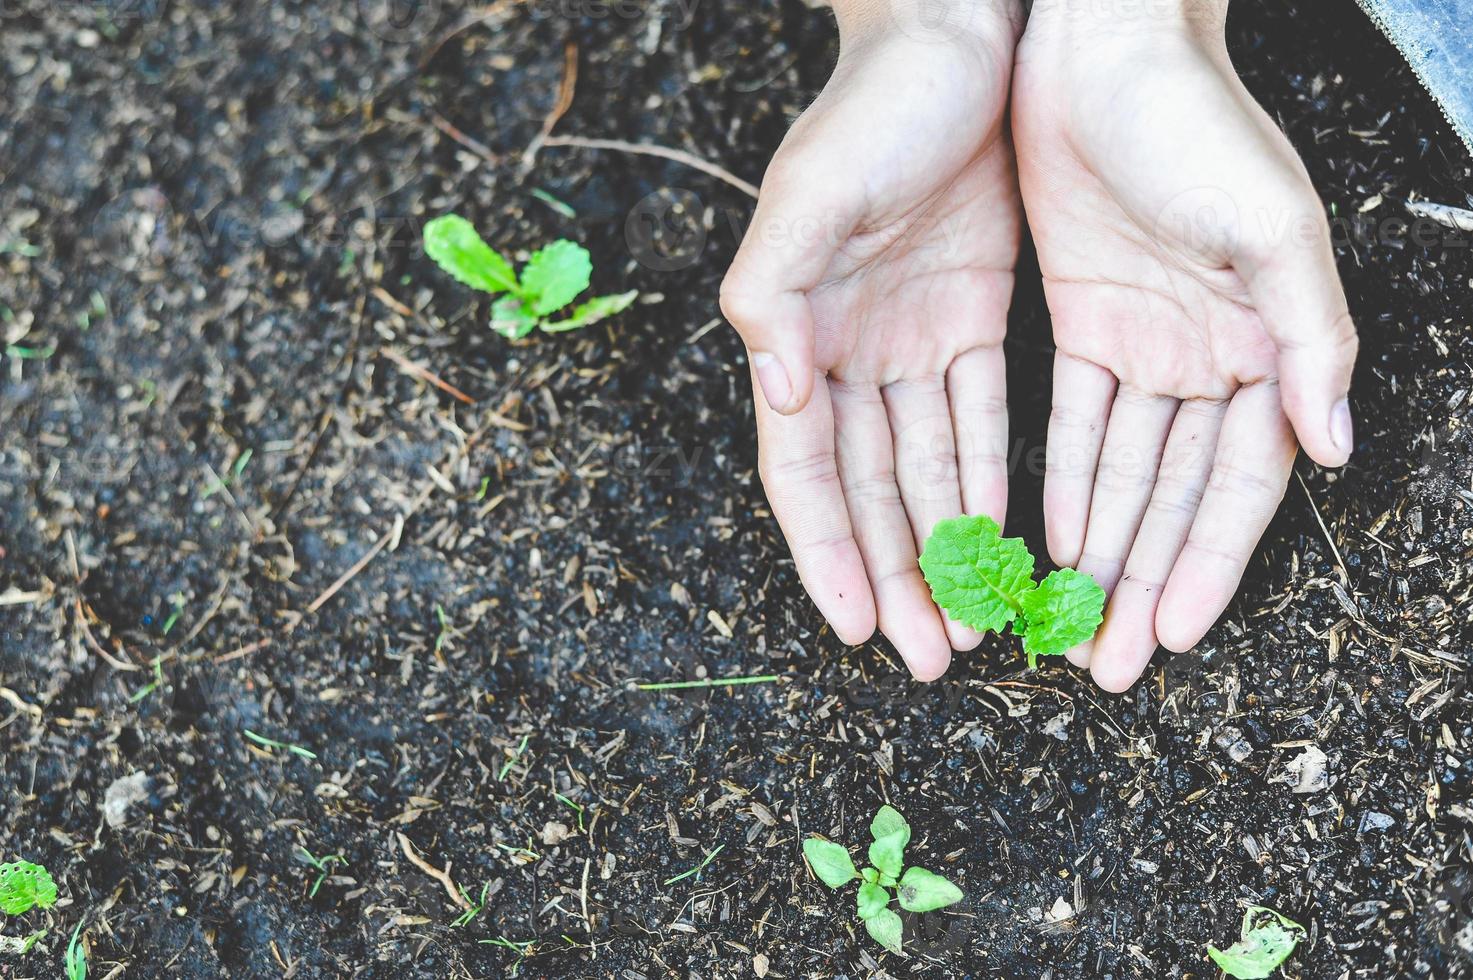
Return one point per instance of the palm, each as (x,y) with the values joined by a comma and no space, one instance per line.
(903,297)
(1152,202)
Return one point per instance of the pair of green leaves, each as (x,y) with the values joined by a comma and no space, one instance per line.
(1267,939)
(919,890)
(24,886)
(550,280)
(985,581)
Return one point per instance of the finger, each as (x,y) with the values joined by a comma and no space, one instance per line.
(926,467)
(1083,393)
(1296,289)
(800,220)
(1126,474)
(1126,640)
(976,387)
(902,600)
(1250,470)
(799,472)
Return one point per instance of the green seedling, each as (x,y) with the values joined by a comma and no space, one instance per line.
(522,949)
(76,956)
(1266,940)
(323,865)
(271,743)
(25,886)
(575,807)
(475,909)
(550,281)
(514,757)
(918,890)
(985,581)
(698,868)
(153,685)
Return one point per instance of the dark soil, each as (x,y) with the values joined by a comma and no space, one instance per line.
(209,227)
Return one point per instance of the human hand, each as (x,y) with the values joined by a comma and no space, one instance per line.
(1198,316)
(872,291)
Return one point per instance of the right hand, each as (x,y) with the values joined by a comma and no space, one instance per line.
(872,291)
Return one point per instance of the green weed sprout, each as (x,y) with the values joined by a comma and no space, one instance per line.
(25,886)
(1266,940)
(919,890)
(985,581)
(76,956)
(550,281)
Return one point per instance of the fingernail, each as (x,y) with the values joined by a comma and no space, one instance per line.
(1341,430)
(775,385)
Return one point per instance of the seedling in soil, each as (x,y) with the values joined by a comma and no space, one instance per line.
(25,886)
(464,919)
(575,807)
(271,743)
(522,949)
(76,956)
(153,685)
(513,760)
(550,281)
(985,581)
(698,868)
(919,890)
(1267,940)
(323,866)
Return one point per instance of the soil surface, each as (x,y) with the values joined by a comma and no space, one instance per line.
(232,502)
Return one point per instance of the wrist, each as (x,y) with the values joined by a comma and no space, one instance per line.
(988,22)
(1202,19)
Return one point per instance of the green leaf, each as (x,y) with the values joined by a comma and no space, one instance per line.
(922,891)
(1065,610)
(830,861)
(76,956)
(454,245)
(887,821)
(554,275)
(886,929)
(975,574)
(1267,940)
(511,318)
(24,886)
(872,900)
(870,875)
(592,311)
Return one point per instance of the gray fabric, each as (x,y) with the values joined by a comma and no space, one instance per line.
(1436,37)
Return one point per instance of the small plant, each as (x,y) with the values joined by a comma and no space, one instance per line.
(1267,940)
(919,890)
(25,886)
(76,956)
(552,278)
(323,865)
(985,581)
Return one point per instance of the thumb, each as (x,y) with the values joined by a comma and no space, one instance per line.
(1296,289)
(793,236)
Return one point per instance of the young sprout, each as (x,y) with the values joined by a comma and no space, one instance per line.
(25,886)
(76,956)
(323,865)
(476,907)
(919,890)
(1266,940)
(985,581)
(550,281)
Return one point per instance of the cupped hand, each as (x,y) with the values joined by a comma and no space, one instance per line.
(1199,321)
(871,291)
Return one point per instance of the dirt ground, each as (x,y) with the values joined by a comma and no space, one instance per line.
(209,238)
